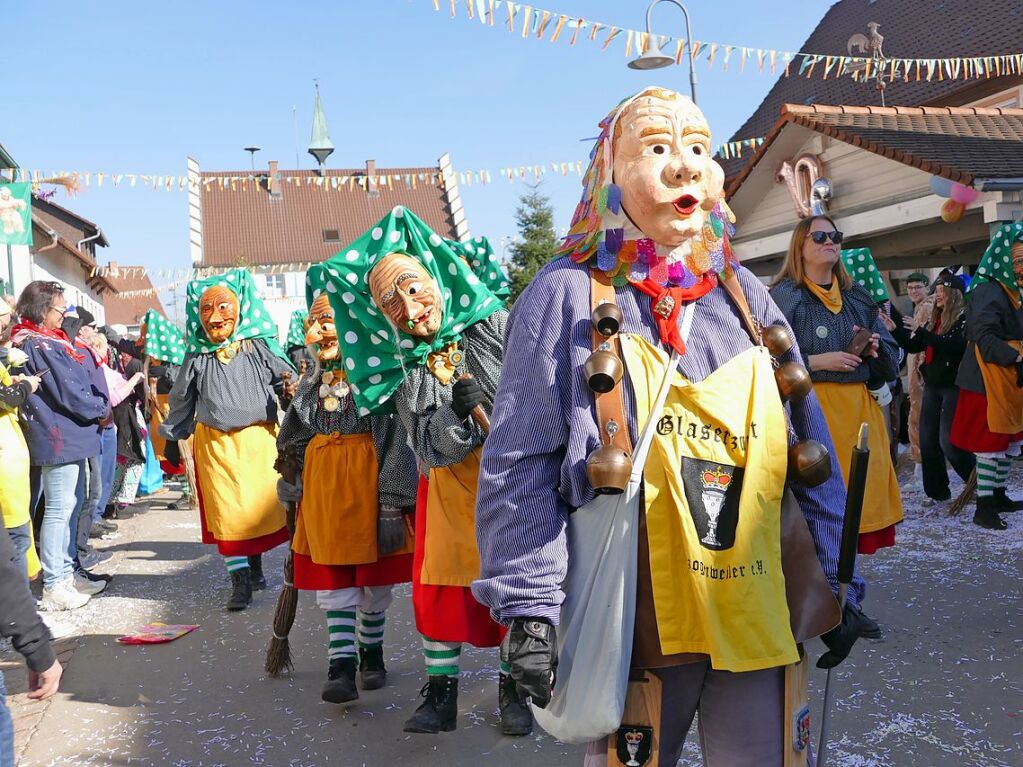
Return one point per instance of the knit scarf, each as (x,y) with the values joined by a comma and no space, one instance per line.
(26,329)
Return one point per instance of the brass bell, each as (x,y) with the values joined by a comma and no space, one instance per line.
(608,468)
(607,319)
(603,371)
(793,381)
(809,463)
(777,339)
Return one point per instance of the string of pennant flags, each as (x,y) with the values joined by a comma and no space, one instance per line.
(542,24)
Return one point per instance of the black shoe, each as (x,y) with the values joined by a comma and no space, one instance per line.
(439,712)
(516,716)
(94,577)
(256,568)
(105,525)
(868,626)
(241,593)
(986,514)
(340,686)
(1005,504)
(372,673)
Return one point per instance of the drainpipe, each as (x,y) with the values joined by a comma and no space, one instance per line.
(99,233)
(53,244)
(998,184)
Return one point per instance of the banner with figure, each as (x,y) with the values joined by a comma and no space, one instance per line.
(16,214)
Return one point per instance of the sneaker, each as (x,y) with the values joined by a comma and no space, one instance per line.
(58,629)
(94,558)
(88,586)
(105,525)
(63,596)
(97,577)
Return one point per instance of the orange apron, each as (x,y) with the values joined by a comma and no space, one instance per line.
(451,556)
(1004,397)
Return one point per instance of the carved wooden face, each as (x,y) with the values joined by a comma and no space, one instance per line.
(140,342)
(1017,262)
(218,313)
(664,166)
(320,329)
(407,294)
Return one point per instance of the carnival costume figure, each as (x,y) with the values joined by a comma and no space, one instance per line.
(689,562)
(352,541)
(227,394)
(989,413)
(294,344)
(427,340)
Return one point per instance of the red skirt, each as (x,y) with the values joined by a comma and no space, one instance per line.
(387,571)
(246,548)
(447,613)
(969,426)
(869,543)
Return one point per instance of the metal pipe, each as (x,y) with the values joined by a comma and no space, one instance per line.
(689,39)
(99,233)
(54,237)
(998,184)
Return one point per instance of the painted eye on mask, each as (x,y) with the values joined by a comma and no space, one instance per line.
(658,150)
(414,289)
(327,327)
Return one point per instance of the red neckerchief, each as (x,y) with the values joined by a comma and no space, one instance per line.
(667,323)
(27,328)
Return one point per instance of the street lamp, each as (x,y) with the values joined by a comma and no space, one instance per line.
(252,154)
(654,58)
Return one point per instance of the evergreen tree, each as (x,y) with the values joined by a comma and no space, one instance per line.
(535,219)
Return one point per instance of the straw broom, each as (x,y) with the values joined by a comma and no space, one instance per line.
(964,497)
(278,654)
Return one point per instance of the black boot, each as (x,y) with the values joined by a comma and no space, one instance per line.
(1004,503)
(256,570)
(439,712)
(868,626)
(987,513)
(516,716)
(241,593)
(340,686)
(371,667)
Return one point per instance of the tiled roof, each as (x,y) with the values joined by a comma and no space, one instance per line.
(959,143)
(911,29)
(128,310)
(251,227)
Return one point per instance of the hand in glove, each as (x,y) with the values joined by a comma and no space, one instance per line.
(841,638)
(465,395)
(288,493)
(390,530)
(530,647)
(882,394)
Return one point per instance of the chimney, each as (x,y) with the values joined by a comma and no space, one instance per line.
(273,183)
(112,269)
(371,173)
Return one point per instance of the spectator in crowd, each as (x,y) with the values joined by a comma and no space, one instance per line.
(917,288)
(131,451)
(827,311)
(22,625)
(61,422)
(989,414)
(940,341)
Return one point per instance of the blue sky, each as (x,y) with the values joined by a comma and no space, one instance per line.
(134,87)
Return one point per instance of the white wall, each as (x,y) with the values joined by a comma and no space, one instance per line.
(60,266)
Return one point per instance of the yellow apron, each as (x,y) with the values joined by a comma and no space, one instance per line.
(155,419)
(1004,397)
(14,475)
(845,407)
(337,518)
(450,554)
(238,485)
(713,487)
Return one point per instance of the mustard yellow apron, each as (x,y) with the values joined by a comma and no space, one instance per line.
(14,475)
(845,407)
(155,419)
(234,471)
(450,554)
(713,486)
(1004,397)
(337,518)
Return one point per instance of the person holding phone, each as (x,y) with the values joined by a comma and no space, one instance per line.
(850,355)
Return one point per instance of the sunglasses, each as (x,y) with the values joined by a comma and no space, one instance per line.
(821,237)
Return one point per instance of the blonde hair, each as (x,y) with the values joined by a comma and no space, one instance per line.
(792,266)
(955,305)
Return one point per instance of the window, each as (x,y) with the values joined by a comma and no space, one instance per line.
(275,285)
(331,235)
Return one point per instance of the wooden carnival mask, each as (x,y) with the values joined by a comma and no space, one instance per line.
(320,329)
(664,166)
(218,313)
(407,294)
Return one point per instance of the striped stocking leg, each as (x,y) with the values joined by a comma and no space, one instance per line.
(341,631)
(371,629)
(441,657)
(1002,472)
(987,475)
(236,563)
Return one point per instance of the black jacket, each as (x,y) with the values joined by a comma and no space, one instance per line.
(948,350)
(19,620)
(991,320)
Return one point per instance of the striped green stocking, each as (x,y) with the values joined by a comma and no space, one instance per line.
(236,563)
(371,629)
(1002,475)
(987,476)
(441,657)
(505,668)
(341,630)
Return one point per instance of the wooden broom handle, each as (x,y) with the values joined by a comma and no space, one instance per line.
(479,415)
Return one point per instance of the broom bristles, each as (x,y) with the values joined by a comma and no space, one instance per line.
(278,654)
(965,496)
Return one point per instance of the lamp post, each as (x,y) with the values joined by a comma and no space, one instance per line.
(654,58)
(252,154)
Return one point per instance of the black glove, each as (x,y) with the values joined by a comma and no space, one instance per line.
(390,530)
(531,649)
(465,395)
(841,638)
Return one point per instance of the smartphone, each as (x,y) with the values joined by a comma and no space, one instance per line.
(40,373)
(859,342)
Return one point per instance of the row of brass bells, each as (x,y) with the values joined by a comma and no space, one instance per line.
(809,461)
(608,467)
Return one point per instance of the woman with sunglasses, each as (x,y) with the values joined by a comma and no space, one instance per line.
(827,311)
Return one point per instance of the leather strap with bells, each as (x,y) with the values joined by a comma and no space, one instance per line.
(614,428)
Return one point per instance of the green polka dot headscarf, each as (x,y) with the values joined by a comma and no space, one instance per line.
(859,262)
(376,355)
(481,257)
(254,321)
(164,341)
(296,329)
(996,265)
